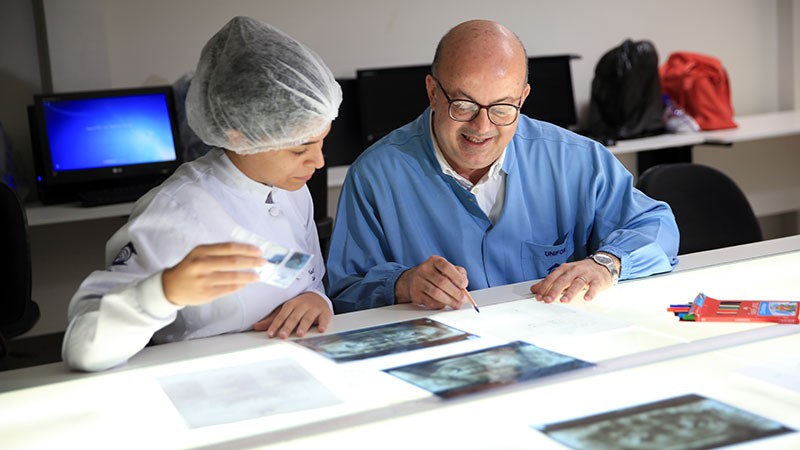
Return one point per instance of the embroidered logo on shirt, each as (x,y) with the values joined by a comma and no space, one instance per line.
(554,252)
(124,255)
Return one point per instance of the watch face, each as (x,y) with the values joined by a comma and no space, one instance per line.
(606,261)
(603,259)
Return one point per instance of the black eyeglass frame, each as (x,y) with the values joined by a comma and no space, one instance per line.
(450,102)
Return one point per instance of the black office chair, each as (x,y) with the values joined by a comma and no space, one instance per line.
(18,312)
(710,209)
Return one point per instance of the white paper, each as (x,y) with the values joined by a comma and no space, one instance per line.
(782,373)
(527,319)
(232,394)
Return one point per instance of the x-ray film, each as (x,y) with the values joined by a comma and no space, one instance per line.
(384,339)
(689,422)
(485,369)
(283,265)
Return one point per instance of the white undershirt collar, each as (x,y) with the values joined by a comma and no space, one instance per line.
(489,191)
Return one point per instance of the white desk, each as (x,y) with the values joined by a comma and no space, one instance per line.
(662,141)
(651,356)
(755,127)
(505,420)
(39,214)
(750,128)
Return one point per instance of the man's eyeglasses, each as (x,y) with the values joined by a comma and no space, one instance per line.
(462,110)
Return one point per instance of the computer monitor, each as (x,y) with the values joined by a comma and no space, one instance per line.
(389,98)
(93,140)
(345,142)
(552,98)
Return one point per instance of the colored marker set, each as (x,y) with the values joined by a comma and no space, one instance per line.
(707,309)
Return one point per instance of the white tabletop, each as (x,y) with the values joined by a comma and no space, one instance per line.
(640,350)
(757,126)
(658,142)
(749,128)
(39,214)
(508,420)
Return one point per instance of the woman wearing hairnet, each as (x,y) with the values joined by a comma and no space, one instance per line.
(186,264)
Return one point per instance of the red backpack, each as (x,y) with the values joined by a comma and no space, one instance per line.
(698,84)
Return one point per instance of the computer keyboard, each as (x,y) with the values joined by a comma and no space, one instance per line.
(117,194)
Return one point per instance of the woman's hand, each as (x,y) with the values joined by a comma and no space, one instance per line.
(211,271)
(297,315)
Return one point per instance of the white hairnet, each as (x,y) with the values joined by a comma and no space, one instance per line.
(257,89)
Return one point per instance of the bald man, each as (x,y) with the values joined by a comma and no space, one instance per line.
(472,195)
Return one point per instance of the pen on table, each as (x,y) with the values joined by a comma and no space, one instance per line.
(471,300)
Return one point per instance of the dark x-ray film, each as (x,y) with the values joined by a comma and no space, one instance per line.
(383,340)
(689,422)
(485,369)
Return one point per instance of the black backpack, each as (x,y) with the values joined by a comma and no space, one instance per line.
(626,97)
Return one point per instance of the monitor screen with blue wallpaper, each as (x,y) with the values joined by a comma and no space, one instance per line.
(88,133)
(83,140)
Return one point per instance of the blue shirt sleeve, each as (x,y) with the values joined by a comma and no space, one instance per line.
(360,271)
(642,232)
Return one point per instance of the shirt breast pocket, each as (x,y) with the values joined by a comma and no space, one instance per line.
(538,260)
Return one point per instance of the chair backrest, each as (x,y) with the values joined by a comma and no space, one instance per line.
(710,209)
(18,313)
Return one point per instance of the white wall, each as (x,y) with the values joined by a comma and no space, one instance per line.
(156,41)
(123,43)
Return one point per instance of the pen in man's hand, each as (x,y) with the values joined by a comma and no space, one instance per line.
(471,300)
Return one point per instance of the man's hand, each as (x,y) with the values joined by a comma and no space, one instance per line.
(569,279)
(434,284)
(211,271)
(297,315)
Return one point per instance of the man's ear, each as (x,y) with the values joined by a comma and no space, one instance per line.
(430,86)
(525,92)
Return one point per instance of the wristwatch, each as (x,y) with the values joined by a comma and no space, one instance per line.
(606,261)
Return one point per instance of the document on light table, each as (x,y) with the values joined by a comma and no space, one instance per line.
(526,319)
(782,373)
(231,394)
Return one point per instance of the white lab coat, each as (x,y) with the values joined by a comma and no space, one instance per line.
(117,311)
